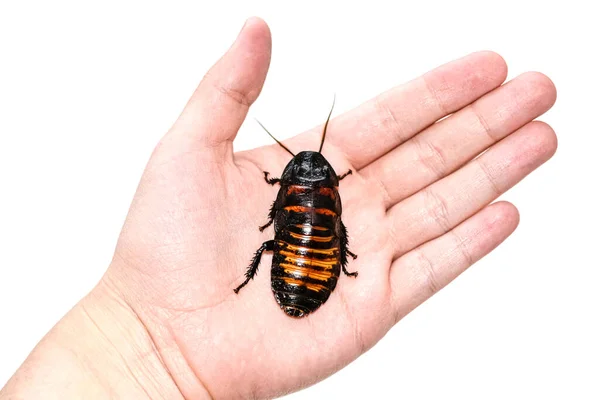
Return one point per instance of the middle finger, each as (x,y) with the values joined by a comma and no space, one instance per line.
(445,146)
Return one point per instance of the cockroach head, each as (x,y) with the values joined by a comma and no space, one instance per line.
(309,168)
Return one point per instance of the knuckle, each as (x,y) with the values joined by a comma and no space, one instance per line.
(388,119)
(484,126)
(427,272)
(489,176)
(435,90)
(235,95)
(384,191)
(460,244)
(431,157)
(437,208)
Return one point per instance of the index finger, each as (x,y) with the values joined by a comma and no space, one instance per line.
(372,129)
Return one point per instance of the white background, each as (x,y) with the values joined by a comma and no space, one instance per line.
(87,89)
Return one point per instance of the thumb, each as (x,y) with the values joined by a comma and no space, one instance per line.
(220,104)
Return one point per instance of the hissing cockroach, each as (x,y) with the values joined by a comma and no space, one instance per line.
(311,241)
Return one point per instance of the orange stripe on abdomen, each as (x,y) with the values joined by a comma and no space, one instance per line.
(327,263)
(310,286)
(304,209)
(321,239)
(284,245)
(325,191)
(312,227)
(305,272)
(297,189)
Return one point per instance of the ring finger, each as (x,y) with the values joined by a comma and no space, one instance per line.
(441,206)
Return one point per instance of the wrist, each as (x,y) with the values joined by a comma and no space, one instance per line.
(100,349)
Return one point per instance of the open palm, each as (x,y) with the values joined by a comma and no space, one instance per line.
(416,207)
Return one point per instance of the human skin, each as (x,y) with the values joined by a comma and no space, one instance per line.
(164,321)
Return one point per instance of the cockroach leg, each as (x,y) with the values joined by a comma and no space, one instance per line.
(270,181)
(265,226)
(340,177)
(351,254)
(344,250)
(253,268)
(354,274)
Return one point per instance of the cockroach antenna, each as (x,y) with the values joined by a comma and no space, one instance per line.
(275,139)
(326,123)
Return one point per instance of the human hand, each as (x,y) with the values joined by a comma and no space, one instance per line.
(416,207)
